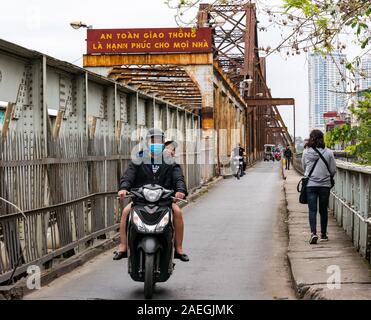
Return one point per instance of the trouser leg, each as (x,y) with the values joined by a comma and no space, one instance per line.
(312,206)
(324,194)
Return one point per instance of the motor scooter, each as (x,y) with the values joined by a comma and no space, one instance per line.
(150,234)
(237,167)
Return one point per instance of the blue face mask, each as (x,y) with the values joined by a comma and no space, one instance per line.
(156,148)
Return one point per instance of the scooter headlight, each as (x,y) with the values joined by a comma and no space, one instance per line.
(163,223)
(152,195)
(138,222)
(142,227)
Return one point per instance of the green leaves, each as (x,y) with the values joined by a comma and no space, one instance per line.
(329,139)
(298,4)
(306,6)
(364,43)
(322,22)
(348,66)
(358,135)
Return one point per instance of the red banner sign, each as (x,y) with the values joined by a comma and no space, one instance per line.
(115,41)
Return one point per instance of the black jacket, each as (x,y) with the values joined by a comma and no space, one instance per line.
(287,153)
(238,151)
(169,176)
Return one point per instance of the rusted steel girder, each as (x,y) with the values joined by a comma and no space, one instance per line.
(235,46)
(269,102)
(162,81)
(234,43)
(159,81)
(276,129)
(180,59)
(277,116)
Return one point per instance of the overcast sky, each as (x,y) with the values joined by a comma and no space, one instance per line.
(44,26)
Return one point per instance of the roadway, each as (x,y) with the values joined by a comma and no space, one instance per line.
(235,237)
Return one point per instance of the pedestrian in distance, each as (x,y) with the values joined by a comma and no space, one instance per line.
(288,155)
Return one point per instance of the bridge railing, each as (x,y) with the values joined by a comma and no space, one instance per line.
(350,202)
(66,137)
(68,198)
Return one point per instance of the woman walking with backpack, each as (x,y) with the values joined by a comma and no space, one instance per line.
(320,162)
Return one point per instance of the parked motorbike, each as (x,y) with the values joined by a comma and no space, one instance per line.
(150,234)
(277,156)
(237,167)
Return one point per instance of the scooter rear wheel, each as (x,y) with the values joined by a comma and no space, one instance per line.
(238,175)
(148,276)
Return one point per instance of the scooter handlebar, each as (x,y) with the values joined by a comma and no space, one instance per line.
(182,200)
(128,195)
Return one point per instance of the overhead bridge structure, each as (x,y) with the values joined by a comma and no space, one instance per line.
(67,133)
(226,85)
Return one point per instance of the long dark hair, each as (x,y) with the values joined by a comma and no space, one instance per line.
(316,139)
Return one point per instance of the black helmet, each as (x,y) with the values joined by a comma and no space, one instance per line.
(155,132)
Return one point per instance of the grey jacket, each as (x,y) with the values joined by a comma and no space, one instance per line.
(320,176)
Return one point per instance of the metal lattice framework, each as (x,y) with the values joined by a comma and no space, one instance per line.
(232,39)
(169,82)
(235,45)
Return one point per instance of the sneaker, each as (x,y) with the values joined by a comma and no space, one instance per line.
(313,239)
(324,237)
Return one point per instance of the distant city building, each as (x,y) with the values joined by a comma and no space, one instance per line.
(333,119)
(327,87)
(363,80)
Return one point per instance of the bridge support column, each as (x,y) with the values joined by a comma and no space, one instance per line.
(202,75)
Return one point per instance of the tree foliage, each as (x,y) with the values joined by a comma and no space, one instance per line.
(340,135)
(325,20)
(325,26)
(320,26)
(359,135)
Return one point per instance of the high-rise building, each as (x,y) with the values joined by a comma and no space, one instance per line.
(364,80)
(327,87)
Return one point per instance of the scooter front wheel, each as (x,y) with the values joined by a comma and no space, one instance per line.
(148,276)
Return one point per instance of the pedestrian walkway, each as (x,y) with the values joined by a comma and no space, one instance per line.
(312,266)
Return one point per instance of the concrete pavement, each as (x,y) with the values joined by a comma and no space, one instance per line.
(236,240)
(312,265)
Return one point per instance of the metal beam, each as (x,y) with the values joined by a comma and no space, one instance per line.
(270,101)
(148,59)
(277,129)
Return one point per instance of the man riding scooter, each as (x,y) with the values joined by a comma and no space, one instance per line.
(239,151)
(153,166)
